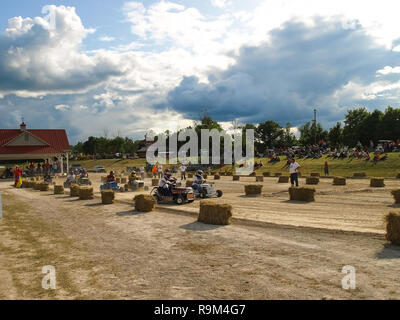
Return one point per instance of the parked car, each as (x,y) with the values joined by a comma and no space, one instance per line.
(99,169)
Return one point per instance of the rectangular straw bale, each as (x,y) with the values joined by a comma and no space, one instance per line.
(377,182)
(74,190)
(396,195)
(235,178)
(107,196)
(85,193)
(58,189)
(215,213)
(393,228)
(252,189)
(43,186)
(259,179)
(283,179)
(302,194)
(190,175)
(312,180)
(339,181)
(217,177)
(144,203)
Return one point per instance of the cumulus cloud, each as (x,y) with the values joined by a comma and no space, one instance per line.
(302,66)
(39,57)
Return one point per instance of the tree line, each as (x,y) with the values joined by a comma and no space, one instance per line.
(359,126)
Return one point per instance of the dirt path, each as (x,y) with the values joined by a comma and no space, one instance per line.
(105,252)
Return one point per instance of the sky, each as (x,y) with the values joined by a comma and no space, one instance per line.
(109,68)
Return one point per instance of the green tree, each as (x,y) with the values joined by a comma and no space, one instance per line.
(353,126)
(269,135)
(335,135)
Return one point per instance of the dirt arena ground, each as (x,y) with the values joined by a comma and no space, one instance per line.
(275,249)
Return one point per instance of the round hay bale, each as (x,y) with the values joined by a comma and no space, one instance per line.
(251,189)
(189,183)
(315,174)
(396,195)
(377,182)
(259,179)
(312,180)
(283,179)
(74,190)
(393,227)
(215,213)
(155,182)
(85,193)
(144,203)
(302,194)
(278,174)
(107,196)
(359,175)
(266,174)
(190,175)
(339,181)
(217,177)
(123,180)
(235,178)
(58,189)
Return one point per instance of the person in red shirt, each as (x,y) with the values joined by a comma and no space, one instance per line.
(326,168)
(17,174)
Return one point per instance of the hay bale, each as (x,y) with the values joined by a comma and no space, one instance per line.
(74,190)
(58,189)
(393,227)
(266,174)
(302,194)
(215,213)
(107,196)
(283,179)
(190,175)
(278,174)
(252,189)
(144,203)
(396,195)
(43,186)
(25,184)
(85,193)
(312,180)
(377,182)
(155,182)
(217,177)
(189,183)
(315,174)
(235,178)
(259,179)
(359,175)
(36,185)
(338,181)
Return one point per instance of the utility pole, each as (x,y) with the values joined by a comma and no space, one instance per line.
(315,126)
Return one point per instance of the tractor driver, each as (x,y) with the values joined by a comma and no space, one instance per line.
(111,177)
(198,180)
(166,183)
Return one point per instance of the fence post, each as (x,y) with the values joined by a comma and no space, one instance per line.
(1,208)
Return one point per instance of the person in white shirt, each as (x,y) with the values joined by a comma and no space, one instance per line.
(294,166)
(142,172)
(166,182)
(182,169)
(198,180)
(160,170)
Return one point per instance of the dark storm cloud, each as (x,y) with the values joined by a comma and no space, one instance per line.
(300,68)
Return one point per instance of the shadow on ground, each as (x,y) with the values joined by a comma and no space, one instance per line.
(389,251)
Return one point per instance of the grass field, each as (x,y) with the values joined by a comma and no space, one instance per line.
(388,169)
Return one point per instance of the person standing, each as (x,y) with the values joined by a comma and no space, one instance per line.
(182,169)
(154,171)
(160,171)
(326,168)
(142,172)
(17,175)
(294,178)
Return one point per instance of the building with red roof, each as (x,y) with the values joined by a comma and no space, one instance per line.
(33,144)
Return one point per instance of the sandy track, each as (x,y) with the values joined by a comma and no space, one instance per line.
(115,252)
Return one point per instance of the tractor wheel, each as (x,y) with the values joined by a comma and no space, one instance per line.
(179,200)
(219,193)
